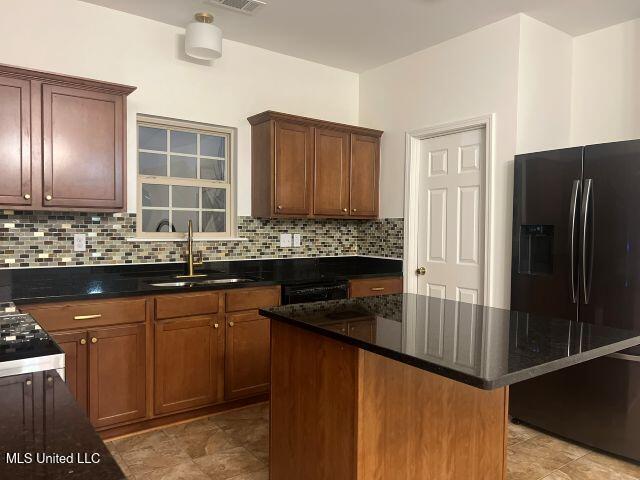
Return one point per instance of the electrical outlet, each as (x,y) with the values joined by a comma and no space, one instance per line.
(79,242)
(297,241)
(285,240)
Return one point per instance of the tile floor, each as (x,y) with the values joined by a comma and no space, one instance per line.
(234,446)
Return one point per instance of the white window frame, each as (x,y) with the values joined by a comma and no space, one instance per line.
(229,184)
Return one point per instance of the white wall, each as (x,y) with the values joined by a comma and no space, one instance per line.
(72,37)
(544,87)
(606,85)
(468,76)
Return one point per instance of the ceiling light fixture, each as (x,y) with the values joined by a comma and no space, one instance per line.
(203,39)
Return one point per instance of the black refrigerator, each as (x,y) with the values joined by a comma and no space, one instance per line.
(576,255)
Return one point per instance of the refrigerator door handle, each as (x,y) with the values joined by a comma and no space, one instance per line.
(586,283)
(575,192)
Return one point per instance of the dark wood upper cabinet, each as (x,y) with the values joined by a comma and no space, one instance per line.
(331,173)
(302,167)
(365,166)
(62,142)
(15,141)
(117,374)
(83,148)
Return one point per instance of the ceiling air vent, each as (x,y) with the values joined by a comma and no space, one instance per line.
(244,6)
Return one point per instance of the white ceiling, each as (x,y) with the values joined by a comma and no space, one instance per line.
(358,35)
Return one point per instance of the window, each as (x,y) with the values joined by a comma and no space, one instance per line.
(185,172)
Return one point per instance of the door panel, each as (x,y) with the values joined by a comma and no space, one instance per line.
(117,374)
(451,215)
(79,125)
(541,253)
(187,363)
(293,169)
(331,173)
(596,403)
(364,173)
(15,142)
(74,345)
(613,236)
(247,355)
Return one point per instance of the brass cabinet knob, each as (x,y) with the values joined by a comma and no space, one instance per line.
(279,207)
(83,341)
(345,209)
(215,325)
(355,209)
(231,324)
(49,379)
(94,340)
(28,382)
(421,271)
(27,196)
(48,197)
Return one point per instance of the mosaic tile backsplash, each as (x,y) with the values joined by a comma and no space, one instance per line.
(41,239)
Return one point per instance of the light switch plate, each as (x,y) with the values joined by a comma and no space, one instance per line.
(79,242)
(285,240)
(297,241)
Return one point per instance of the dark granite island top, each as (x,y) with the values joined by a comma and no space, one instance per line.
(481,346)
(348,402)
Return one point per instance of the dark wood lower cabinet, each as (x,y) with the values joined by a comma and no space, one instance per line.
(16,400)
(188,363)
(117,374)
(247,355)
(75,349)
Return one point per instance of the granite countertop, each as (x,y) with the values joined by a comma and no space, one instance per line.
(50,423)
(32,285)
(481,346)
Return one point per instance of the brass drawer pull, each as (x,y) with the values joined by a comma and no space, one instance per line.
(377,289)
(87,317)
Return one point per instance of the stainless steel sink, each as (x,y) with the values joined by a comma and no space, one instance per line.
(210,281)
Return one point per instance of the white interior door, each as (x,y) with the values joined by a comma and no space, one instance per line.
(451,216)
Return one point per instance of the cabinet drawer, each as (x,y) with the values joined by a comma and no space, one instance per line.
(81,315)
(368,287)
(172,306)
(252,298)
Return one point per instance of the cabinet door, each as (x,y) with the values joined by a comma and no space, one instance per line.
(83,153)
(117,374)
(247,355)
(331,173)
(365,165)
(188,363)
(293,168)
(74,345)
(17,406)
(15,142)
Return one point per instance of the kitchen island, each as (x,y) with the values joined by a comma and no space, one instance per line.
(408,386)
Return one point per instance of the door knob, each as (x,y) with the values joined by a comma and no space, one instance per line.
(421,271)
(83,341)
(27,196)
(94,340)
